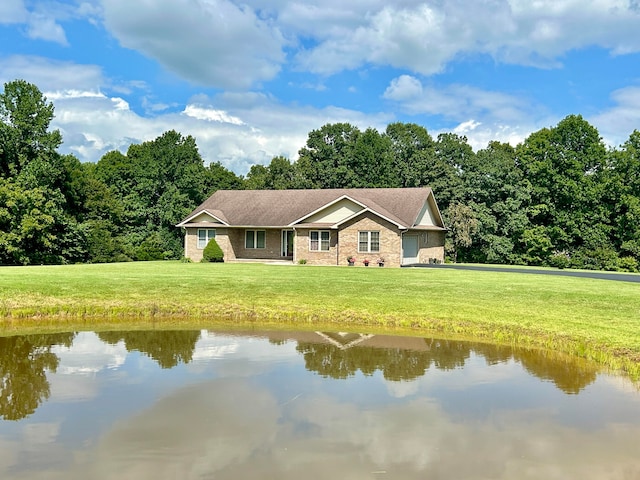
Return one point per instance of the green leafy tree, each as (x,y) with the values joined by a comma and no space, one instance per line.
(566,166)
(33,226)
(326,160)
(462,224)
(41,191)
(25,116)
(414,154)
(280,174)
(220,178)
(157,183)
(500,196)
(622,195)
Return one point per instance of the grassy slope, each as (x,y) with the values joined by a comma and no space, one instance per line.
(592,318)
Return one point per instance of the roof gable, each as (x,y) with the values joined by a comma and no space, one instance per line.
(334,212)
(430,214)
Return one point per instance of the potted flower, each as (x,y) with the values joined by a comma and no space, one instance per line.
(366,262)
(351,260)
(381,262)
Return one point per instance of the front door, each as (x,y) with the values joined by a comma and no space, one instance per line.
(287,243)
(409,249)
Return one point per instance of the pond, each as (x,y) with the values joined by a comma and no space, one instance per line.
(312,405)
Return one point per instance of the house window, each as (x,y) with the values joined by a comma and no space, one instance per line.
(204,235)
(319,240)
(368,242)
(255,239)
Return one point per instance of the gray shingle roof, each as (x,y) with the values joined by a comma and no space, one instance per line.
(274,208)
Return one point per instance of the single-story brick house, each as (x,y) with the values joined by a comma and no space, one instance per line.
(322,227)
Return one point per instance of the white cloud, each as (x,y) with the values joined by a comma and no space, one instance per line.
(238,130)
(213,43)
(480,115)
(13,11)
(45,28)
(454,101)
(212,115)
(618,122)
(405,87)
(52,75)
(425,36)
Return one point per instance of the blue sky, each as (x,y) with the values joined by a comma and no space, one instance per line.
(249,80)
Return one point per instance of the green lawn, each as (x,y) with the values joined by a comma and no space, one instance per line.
(592,318)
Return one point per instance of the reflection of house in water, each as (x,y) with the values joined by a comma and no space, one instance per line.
(340,355)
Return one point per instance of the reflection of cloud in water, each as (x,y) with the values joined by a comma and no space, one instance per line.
(40,433)
(89,354)
(623,384)
(198,430)
(8,456)
(401,389)
(209,347)
(228,429)
(75,377)
(238,356)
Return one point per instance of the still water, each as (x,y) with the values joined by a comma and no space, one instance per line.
(306,405)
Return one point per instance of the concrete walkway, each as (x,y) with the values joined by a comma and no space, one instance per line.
(620,277)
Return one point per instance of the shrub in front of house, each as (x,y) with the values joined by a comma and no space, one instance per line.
(212,252)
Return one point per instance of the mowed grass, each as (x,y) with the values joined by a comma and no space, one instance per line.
(597,319)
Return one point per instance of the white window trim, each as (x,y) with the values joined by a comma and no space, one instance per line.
(255,239)
(320,232)
(208,237)
(368,250)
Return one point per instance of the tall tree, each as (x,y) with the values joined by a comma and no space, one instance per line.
(158,183)
(414,156)
(499,195)
(462,224)
(622,194)
(564,165)
(25,116)
(280,174)
(326,160)
(38,192)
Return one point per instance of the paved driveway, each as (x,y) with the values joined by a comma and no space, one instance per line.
(620,277)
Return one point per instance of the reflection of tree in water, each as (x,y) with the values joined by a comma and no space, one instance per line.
(406,364)
(448,354)
(568,375)
(23,381)
(394,363)
(167,347)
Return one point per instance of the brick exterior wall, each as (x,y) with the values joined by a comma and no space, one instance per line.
(192,251)
(301,249)
(432,248)
(272,250)
(390,241)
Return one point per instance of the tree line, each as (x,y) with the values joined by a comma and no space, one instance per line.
(560,198)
